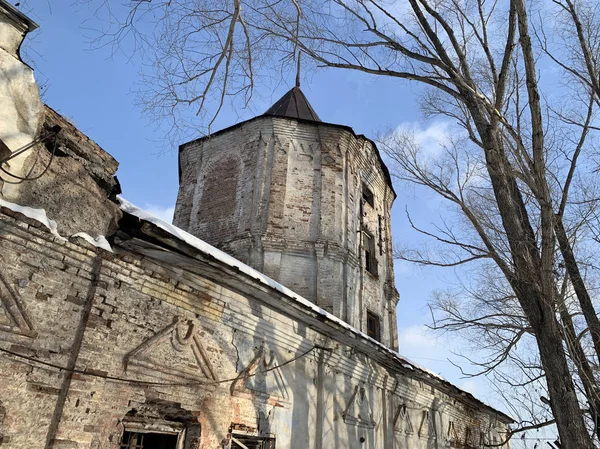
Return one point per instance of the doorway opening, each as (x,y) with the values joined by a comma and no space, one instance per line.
(149,440)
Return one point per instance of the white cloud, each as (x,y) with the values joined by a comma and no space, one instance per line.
(165,213)
(412,339)
(430,139)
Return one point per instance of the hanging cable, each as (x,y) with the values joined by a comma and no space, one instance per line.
(28,177)
(141,382)
(51,134)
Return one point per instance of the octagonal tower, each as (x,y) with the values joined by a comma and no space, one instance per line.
(303,201)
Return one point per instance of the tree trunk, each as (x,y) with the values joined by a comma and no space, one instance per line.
(528,279)
(578,285)
(583,366)
(563,398)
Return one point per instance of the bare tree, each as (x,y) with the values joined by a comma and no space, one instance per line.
(518,175)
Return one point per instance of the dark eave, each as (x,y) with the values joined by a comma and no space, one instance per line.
(17,16)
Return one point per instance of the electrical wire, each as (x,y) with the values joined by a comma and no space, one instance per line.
(27,177)
(142,382)
(21,181)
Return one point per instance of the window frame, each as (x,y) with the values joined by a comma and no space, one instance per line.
(374,318)
(369,251)
(156,427)
(367,195)
(266,442)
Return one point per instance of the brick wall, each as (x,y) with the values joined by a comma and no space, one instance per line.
(128,316)
(284,196)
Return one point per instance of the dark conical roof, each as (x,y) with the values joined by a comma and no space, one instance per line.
(293,105)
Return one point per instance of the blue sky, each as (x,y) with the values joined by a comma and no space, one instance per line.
(95,91)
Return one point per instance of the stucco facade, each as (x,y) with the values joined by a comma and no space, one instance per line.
(118,330)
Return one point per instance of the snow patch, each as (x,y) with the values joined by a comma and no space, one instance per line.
(99,241)
(38,215)
(427,370)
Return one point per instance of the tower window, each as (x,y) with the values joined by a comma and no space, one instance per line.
(373,326)
(367,195)
(380,235)
(370,255)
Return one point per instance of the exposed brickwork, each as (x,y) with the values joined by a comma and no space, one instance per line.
(131,300)
(285,197)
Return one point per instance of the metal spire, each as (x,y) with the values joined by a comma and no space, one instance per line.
(298,70)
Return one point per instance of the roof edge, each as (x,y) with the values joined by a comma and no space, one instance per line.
(253,275)
(384,167)
(15,14)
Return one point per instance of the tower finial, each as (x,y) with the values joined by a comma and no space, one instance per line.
(298,70)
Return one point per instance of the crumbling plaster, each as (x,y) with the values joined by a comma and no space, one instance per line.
(78,176)
(21,109)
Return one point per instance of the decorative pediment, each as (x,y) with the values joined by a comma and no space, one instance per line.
(470,437)
(176,351)
(262,376)
(483,439)
(13,318)
(402,422)
(451,434)
(359,412)
(427,427)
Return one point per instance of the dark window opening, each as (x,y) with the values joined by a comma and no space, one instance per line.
(380,244)
(373,326)
(370,255)
(139,440)
(367,195)
(251,442)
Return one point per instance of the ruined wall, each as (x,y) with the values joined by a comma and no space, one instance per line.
(191,343)
(68,175)
(21,110)
(78,185)
(284,196)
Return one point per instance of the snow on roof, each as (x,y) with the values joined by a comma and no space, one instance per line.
(99,241)
(225,258)
(38,215)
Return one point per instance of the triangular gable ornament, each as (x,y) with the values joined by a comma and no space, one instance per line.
(427,427)
(470,437)
(262,376)
(179,341)
(402,422)
(359,412)
(484,440)
(451,434)
(13,318)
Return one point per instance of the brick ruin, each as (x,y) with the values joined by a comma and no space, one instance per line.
(118,330)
